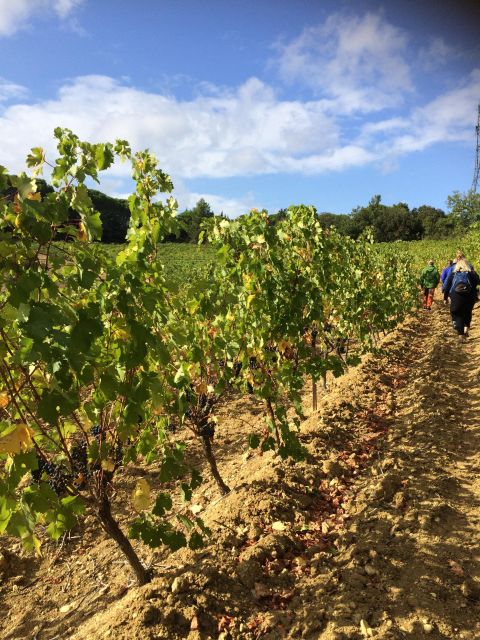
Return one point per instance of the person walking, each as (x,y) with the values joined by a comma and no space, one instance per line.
(429,278)
(443,278)
(461,287)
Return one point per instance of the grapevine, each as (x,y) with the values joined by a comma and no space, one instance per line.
(80,351)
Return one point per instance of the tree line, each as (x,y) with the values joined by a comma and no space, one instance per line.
(399,222)
(388,222)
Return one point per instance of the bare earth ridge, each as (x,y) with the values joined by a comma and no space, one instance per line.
(376,534)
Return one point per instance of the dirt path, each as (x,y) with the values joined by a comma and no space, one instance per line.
(416,533)
(376,534)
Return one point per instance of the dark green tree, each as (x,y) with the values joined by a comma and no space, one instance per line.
(341,221)
(190,222)
(115,216)
(434,221)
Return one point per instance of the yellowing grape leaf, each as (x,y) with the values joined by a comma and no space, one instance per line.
(3,400)
(202,387)
(82,232)
(141,495)
(108,465)
(17,439)
(283,346)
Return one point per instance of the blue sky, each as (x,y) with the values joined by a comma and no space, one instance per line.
(261,103)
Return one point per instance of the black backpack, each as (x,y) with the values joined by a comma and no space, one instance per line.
(461,282)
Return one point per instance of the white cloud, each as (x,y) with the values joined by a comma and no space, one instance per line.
(243,131)
(10,90)
(17,14)
(450,117)
(64,7)
(357,62)
(436,54)
(231,207)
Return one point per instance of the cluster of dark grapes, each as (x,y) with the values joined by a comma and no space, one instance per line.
(37,473)
(118,454)
(58,478)
(79,457)
(96,431)
(199,414)
(79,464)
(207,430)
(237,367)
(270,348)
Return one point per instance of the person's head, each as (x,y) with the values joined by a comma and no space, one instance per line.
(459,255)
(462,265)
(450,262)
(431,263)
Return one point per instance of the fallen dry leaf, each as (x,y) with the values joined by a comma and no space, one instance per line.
(67,607)
(194,624)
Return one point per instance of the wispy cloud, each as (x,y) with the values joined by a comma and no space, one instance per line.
(10,90)
(436,54)
(448,118)
(16,15)
(357,62)
(231,207)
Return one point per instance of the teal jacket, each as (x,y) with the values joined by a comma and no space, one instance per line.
(429,278)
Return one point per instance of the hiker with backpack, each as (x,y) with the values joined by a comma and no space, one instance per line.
(444,277)
(429,278)
(461,287)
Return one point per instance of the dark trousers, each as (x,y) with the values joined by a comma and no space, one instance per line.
(461,307)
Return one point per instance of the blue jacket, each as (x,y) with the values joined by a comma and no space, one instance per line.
(446,273)
(474,281)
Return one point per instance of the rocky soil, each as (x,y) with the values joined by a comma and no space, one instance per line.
(376,534)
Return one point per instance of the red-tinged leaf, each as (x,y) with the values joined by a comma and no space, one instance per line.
(456,568)
(225,623)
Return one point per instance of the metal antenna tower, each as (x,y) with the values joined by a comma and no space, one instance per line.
(476,173)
